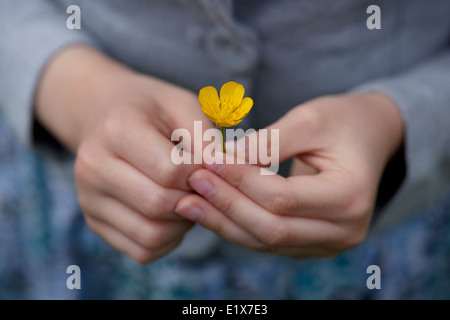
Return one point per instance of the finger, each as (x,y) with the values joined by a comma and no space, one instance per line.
(317,196)
(149,151)
(148,233)
(197,209)
(271,229)
(118,179)
(299,196)
(172,116)
(194,207)
(296,132)
(128,247)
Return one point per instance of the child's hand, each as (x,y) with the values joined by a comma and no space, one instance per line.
(119,124)
(127,183)
(347,139)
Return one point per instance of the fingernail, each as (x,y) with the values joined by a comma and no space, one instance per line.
(202,186)
(190,212)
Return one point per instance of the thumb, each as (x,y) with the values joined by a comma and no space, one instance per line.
(186,126)
(294,133)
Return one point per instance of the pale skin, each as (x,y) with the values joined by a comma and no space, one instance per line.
(118,124)
(341,144)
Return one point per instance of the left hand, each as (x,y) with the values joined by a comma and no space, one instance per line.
(347,139)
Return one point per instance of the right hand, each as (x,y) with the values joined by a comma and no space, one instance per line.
(127,184)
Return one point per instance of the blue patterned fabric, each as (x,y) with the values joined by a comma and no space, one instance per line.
(42,232)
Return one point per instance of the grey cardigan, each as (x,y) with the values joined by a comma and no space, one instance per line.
(284,52)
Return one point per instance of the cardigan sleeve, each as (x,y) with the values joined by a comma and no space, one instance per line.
(32,32)
(422,95)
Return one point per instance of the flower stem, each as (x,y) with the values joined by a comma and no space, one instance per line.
(222,130)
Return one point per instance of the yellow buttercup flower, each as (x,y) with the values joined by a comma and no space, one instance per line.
(229,109)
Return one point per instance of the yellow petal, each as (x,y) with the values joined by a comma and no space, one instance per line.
(209,99)
(231,95)
(230,108)
(244,108)
(228,123)
(212,118)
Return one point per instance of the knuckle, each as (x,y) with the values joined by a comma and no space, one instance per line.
(227,205)
(217,228)
(87,166)
(168,173)
(358,206)
(351,239)
(113,127)
(84,162)
(356,237)
(149,239)
(236,180)
(142,256)
(86,176)
(309,116)
(152,237)
(155,205)
(281,202)
(275,235)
